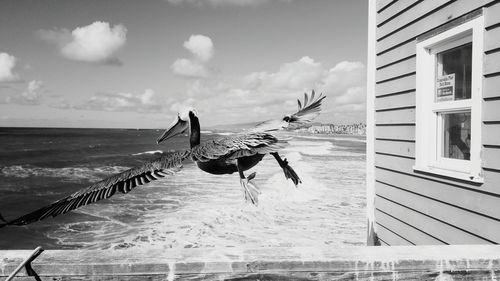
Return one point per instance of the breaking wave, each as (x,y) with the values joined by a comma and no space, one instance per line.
(148,152)
(69,173)
(225,133)
(316,148)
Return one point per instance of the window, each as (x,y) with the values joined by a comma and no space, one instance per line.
(449,90)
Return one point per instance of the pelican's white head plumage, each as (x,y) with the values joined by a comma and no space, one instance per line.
(181,123)
(184,111)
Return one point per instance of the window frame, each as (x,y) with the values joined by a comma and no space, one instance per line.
(429,123)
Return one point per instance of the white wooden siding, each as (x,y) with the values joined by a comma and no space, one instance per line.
(436,231)
(463,220)
(419,208)
(405,99)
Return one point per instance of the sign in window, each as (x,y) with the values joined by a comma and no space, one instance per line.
(454,74)
(445,87)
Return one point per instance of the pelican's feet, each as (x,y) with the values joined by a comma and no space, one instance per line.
(251,191)
(290,173)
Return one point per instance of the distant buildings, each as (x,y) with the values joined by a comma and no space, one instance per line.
(353,129)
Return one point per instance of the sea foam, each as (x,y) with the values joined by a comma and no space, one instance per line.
(315,148)
(148,152)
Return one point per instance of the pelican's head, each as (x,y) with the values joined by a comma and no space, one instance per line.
(180,125)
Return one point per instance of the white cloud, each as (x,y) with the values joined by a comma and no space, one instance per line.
(96,43)
(201,46)
(7,64)
(189,68)
(298,75)
(353,95)
(264,95)
(144,102)
(202,49)
(32,95)
(147,98)
(344,75)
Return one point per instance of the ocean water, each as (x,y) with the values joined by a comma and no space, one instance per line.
(189,209)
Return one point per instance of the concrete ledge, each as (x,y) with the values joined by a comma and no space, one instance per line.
(356,263)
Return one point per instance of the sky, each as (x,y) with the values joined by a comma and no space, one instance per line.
(135,64)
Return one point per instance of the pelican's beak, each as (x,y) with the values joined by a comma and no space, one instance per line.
(179,126)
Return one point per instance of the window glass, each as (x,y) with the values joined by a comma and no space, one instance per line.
(454,74)
(456,135)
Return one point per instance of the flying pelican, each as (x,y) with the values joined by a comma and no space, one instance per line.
(227,155)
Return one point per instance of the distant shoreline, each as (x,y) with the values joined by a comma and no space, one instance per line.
(358,129)
(323,129)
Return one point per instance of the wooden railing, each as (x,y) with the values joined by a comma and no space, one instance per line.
(356,263)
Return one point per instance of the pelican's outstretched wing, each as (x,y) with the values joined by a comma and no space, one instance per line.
(306,112)
(122,182)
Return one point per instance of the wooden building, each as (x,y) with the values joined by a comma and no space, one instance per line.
(433,132)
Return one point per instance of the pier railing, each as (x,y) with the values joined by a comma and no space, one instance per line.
(356,263)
